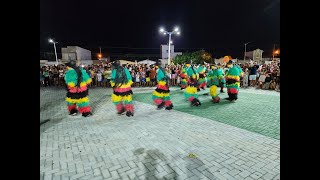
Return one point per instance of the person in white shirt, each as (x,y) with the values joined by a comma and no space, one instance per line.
(99,78)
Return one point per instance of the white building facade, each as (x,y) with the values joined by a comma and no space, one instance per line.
(164,51)
(83,56)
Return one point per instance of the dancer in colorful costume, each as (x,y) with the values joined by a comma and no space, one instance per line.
(77,81)
(161,96)
(191,90)
(183,76)
(220,78)
(213,82)
(202,81)
(233,81)
(121,82)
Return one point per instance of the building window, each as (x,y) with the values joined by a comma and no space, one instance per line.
(167,51)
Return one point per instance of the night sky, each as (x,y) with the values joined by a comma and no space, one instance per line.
(218,26)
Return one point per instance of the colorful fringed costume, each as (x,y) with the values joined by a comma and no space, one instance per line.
(183,76)
(220,78)
(121,82)
(161,96)
(202,81)
(213,83)
(77,81)
(233,81)
(191,91)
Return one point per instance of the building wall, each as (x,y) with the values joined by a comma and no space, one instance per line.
(164,50)
(86,62)
(83,54)
(75,53)
(257,55)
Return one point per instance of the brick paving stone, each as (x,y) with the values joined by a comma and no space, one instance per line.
(244,173)
(156,143)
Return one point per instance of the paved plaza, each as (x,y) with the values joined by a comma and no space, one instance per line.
(238,140)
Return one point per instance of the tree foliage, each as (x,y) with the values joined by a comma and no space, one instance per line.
(197,57)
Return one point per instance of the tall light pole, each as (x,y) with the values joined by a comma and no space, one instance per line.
(245,50)
(55,50)
(176,31)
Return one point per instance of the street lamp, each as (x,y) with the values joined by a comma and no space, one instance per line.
(245,50)
(176,31)
(55,50)
(275,52)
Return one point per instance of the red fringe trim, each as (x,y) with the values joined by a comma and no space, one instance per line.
(76,89)
(167,103)
(122,89)
(71,107)
(84,109)
(203,85)
(119,107)
(191,98)
(233,91)
(157,101)
(216,99)
(162,87)
(129,107)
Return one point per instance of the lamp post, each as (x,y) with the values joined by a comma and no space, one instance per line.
(55,50)
(245,50)
(176,31)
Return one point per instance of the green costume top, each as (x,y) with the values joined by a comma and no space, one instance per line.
(233,77)
(71,78)
(201,69)
(127,81)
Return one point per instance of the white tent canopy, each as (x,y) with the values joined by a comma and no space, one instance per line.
(126,62)
(147,61)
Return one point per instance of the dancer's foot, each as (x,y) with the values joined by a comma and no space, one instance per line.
(73,112)
(121,111)
(160,106)
(129,113)
(169,107)
(86,114)
(195,102)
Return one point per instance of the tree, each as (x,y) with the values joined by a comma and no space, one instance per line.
(197,57)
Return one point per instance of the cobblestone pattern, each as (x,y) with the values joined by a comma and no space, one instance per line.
(255,110)
(153,144)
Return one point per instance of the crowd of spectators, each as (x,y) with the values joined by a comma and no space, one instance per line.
(261,76)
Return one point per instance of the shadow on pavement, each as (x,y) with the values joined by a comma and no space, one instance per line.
(153,157)
(48,124)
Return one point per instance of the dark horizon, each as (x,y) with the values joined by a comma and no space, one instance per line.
(220,28)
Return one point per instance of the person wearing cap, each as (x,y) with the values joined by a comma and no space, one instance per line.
(121,82)
(213,82)
(77,81)
(160,95)
(233,81)
(191,91)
